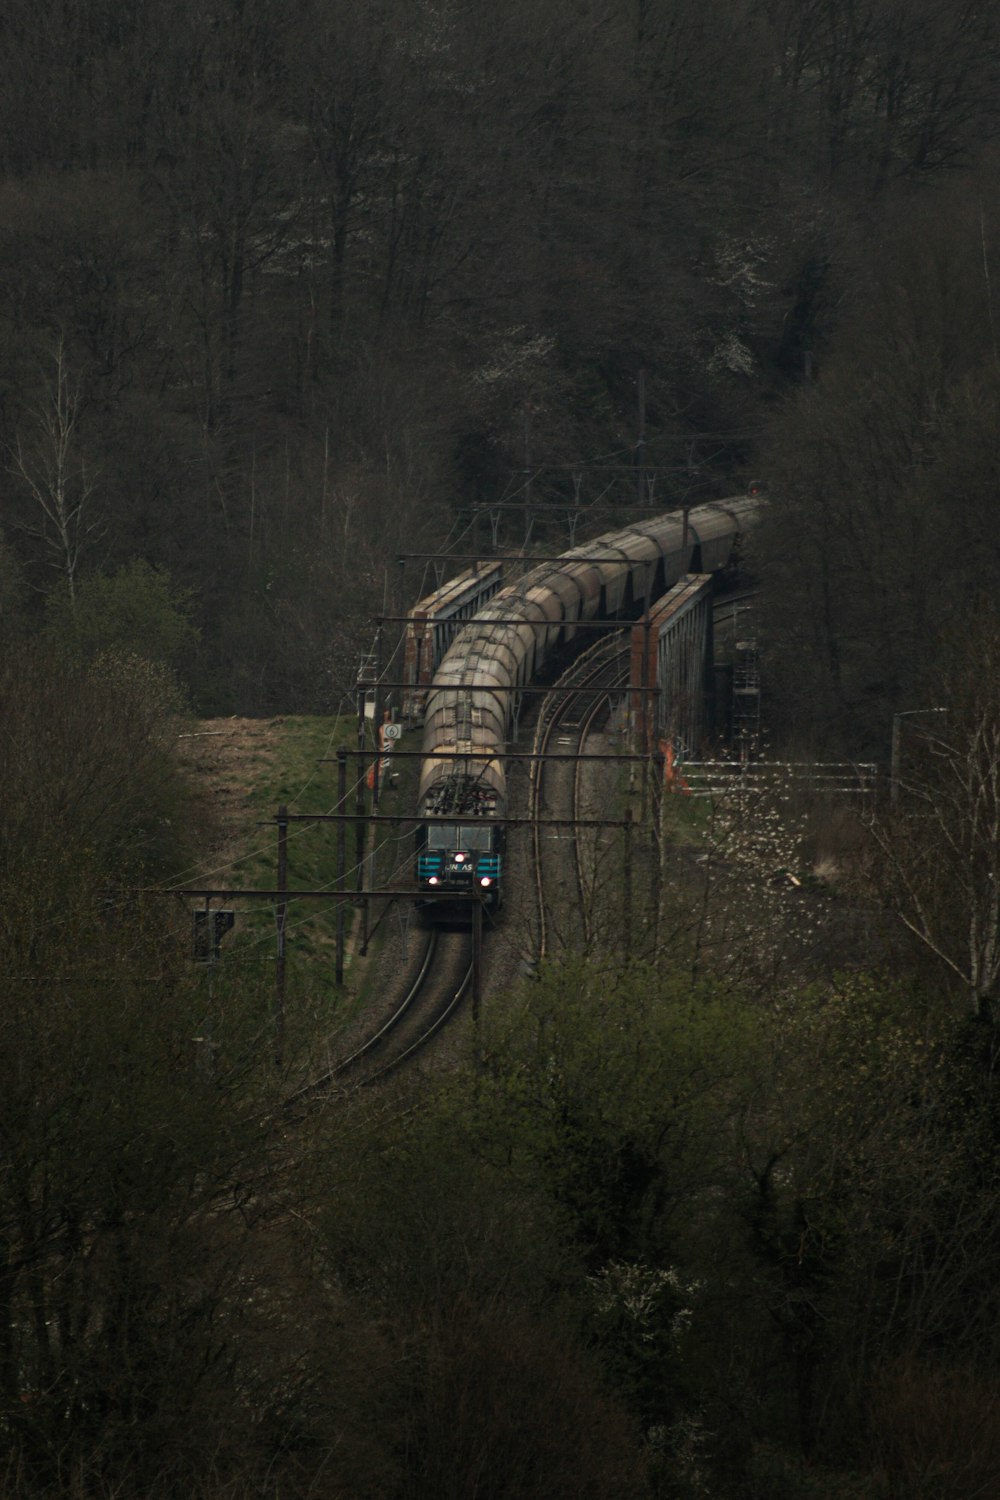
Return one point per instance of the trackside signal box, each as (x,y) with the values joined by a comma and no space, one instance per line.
(208,930)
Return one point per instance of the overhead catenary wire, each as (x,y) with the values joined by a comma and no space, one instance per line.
(251,847)
(455,534)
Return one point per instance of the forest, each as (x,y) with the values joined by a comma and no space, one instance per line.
(291,289)
(288,290)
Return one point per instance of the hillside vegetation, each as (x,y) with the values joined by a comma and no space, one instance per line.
(290,287)
(288,290)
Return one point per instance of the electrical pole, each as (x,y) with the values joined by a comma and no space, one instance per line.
(359,823)
(477,967)
(627,880)
(281,914)
(640,447)
(377,715)
(527,475)
(341,857)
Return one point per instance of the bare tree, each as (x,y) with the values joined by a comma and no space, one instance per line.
(938,847)
(48,462)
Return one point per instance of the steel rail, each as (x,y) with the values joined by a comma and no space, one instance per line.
(597,707)
(401,1013)
(592,663)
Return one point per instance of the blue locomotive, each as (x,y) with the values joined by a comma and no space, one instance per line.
(460,846)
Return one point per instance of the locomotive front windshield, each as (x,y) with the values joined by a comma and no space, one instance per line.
(454,836)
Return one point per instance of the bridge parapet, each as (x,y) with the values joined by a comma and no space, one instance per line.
(671,652)
(436,620)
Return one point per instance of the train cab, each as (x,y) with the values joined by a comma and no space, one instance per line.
(461,858)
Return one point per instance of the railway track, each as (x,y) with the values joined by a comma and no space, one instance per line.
(435,992)
(566,864)
(565,886)
(573,713)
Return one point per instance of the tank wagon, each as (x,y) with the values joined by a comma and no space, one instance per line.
(473,696)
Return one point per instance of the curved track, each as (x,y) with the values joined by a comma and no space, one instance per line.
(442,980)
(563,901)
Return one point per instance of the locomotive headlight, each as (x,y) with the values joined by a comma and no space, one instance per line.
(459,859)
(433,880)
(485,881)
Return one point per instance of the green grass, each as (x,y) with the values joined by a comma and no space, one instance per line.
(302,775)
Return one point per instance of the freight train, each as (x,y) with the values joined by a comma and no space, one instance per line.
(473,697)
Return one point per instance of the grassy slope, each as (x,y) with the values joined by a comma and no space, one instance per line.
(242,770)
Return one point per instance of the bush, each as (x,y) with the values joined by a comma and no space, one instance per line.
(135,609)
